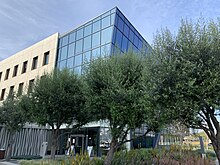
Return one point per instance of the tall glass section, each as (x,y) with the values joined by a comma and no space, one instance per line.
(108,34)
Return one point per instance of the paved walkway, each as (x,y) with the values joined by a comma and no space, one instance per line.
(8,163)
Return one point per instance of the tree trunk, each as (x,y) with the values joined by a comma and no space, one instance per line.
(54,142)
(111,152)
(9,147)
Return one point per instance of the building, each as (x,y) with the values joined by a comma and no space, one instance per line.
(108,34)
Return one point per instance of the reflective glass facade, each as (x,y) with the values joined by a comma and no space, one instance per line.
(108,34)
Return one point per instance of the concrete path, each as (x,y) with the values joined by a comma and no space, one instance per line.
(13,162)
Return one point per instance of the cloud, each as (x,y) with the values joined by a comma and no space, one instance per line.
(26,22)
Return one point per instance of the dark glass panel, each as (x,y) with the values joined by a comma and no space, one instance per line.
(120,24)
(124,44)
(140,44)
(131,35)
(126,30)
(118,39)
(135,40)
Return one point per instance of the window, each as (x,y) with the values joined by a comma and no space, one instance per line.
(79,34)
(131,35)
(95,53)
(72,37)
(20,89)
(78,60)
(79,46)
(88,30)
(87,57)
(70,62)
(63,53)
(124,46)
(24,69)
(112,19)
(7,74)
(96,26)
(46,58)
(11,91)
(62,64)
(71,49)
(120,24)
(65,40)
(106,35)
(135,41)
(95,40)
(0,76)
(15,71)
(34,63)
(106,22)
(106,50)
(126,30)
(31,85)
(2,94)
(118,39)
(87,43)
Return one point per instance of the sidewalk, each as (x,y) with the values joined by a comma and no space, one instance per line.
(13,162)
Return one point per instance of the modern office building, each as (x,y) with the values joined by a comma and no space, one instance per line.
(108,34)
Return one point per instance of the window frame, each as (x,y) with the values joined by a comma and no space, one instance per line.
(24,68)
(46,60)
(2,94)
(15,71)
(34,63)
(7,74)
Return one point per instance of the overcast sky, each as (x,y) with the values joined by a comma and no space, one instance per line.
(25,22)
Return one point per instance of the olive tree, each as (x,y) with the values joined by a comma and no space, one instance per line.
(117,91)
(57,98)
(186,76)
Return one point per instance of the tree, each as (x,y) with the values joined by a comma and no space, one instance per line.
(117,91)
(13,119)
(186,76)
(57,98)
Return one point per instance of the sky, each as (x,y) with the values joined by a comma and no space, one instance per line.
(25,22)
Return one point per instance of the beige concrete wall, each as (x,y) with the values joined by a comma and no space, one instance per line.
(38,49)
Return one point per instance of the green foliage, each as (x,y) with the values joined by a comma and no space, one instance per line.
(78,160)
(12,115)
(165,156)
(185,75)
(117,92)
(57,99)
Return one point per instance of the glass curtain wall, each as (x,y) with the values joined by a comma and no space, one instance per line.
(88,42)
(108,34)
